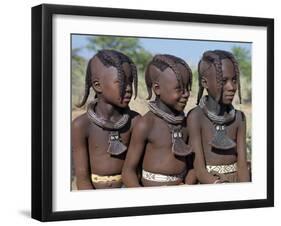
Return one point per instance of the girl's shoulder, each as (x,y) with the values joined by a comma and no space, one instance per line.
(80,122)
(240,115)
(194,114)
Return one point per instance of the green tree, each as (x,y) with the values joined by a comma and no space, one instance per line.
(78,65)
(243,56)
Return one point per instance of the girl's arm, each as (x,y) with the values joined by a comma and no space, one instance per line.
(193,123)
(135,153)
(242,166)
(80,154)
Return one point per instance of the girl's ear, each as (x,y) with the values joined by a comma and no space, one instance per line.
(96,86)
(204,82)
(156,88)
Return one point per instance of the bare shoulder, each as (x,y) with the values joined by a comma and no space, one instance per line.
(240,117)
(80,123)
(134,116)
(194,115)
(144,123)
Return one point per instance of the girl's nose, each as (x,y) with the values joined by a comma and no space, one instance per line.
(128,87)
(185,93)
(230,85)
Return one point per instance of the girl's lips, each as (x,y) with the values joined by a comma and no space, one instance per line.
(182,103)
(126,99)
(230,94)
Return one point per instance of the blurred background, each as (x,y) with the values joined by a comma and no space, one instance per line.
(141,51)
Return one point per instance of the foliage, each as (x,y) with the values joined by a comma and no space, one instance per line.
(243,57)
(78,65)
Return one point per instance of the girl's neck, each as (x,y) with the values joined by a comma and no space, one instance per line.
(107,111)
(160,104)
(215,107)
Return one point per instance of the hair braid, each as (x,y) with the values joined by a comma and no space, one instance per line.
(162,62)
(211,58)
(135,77)
(115,59)
(148,81)
(133,72)
(164,59)
(201,88)
(215,57)
(178,60)
(237,73)
(219,76)
(88,84)
(120,73)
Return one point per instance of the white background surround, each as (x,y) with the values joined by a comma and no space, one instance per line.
(15,113)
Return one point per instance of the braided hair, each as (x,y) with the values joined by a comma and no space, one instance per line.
(214,58)
(116,59)
(162,62)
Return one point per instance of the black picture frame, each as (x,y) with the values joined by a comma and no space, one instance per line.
(42,106)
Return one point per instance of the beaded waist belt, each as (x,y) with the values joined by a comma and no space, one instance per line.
(161,177)
(96,178)
(222,168)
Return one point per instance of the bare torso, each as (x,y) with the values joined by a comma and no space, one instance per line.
(215,156)
(158,156)
(101,162)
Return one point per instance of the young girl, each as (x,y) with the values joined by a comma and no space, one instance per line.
(217,130)
(158,144)
(100,136)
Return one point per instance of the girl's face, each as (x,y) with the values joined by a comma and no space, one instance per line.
(229,80)
(169,89)
(110,86)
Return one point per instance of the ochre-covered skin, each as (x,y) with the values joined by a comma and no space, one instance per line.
(150,146)
(202,128)
(89,141)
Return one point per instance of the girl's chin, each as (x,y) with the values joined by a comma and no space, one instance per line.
(227,102)
(181,106)
(124,104)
